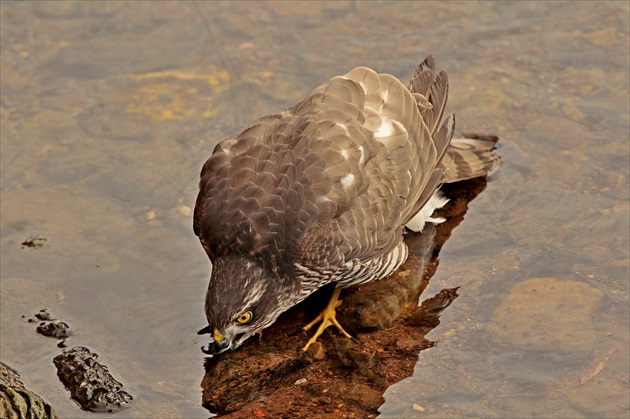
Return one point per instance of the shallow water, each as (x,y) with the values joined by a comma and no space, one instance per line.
(109,110)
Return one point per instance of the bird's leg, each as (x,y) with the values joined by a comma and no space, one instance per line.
(327,318)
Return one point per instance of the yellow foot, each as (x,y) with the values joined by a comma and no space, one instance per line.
(327,318)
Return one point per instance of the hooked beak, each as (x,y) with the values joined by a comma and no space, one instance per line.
(221,344)
(218,343)
(221,347)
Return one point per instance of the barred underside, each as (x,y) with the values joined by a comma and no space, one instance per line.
(354,272)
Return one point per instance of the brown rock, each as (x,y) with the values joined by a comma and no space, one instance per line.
(236,378)
(18,402)
(522,318)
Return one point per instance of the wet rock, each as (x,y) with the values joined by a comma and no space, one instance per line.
(51,327)
(522,319)
(34,241)
(89,382)
(274,377)
(43,315)
(134,107)
(54,329)
(16,401)
(228,386)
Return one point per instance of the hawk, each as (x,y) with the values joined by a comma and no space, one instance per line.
(322,192)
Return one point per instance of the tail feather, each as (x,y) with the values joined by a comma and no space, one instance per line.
(458,159)
(423,77)
(433,88)
(463,158)
(468,158)
(442,138)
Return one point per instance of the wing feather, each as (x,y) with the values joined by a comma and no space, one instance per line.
(332,181)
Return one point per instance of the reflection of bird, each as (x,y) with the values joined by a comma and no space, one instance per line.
(320,193)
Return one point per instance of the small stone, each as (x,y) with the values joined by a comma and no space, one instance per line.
(317,351)
(418,407)
(183,210)
(300,381)
(151,215)
(43,315)
(34,241)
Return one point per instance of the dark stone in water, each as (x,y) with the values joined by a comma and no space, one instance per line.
(51,327)
(43,315)
(34,242)
(55,329)
(90,383)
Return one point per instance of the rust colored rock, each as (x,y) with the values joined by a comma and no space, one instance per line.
(318,351)
(236,378)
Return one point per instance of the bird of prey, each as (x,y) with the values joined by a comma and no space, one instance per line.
(321,193)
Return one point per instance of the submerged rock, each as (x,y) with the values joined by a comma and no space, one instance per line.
(547,314)
(16,401)
(90,383)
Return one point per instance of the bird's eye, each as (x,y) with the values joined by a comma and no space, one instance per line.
(244,318)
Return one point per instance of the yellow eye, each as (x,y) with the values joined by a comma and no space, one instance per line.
(244,318)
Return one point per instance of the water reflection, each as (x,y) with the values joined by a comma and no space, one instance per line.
(109,109)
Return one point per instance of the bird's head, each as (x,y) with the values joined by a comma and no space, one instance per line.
(243,298)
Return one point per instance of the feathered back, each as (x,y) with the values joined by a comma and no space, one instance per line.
(334,178)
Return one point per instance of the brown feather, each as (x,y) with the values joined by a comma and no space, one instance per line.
(331,182)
